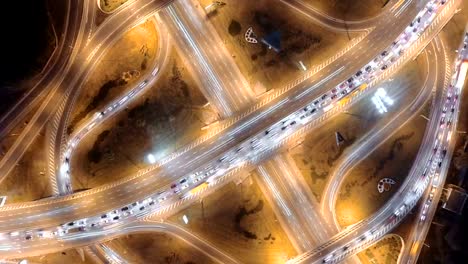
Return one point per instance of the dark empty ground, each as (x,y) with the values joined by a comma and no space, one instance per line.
(159,248)
(28,42)
(168,115)
(238,220)
(385,251)
(359,197)
(350,9)
(300,40)
(67,256)
(316,157)
(120,68)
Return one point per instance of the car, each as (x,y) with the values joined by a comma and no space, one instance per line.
(316,102)
(151,203)
(324,96)
(384,67)
(350,80)
(173,186)
(183,181)
(142,208)
(292,123)
(358,73)
(103,216)
(369,68)
(124,208)
(334,90)
(28,237)
(384,53)
(71,224)
(116,217)
(333,96)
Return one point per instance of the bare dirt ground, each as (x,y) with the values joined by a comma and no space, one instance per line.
(67,256)
(349,10)
(28,181)
(238,220)
(385,251)
(159,248)
(317,155)
(111,5)
(359,197)
(169,115)
(301,40)
(118,70)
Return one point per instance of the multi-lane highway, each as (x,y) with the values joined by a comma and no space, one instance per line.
(307,9)
(293,203)
(218,76)
(78,219)
(64,212)
(61,96)
(430,199)
(63,180)
(374,138)
(429,161)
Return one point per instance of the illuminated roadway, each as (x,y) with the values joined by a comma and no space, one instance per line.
(305,8)
(219,78)
(377,136)
(428,163)
(145,82)
(127,193)
(293,203)
(424,215)
(89,56)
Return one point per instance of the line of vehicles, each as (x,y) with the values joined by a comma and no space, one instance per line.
(260,142)
(410,34)
(97,117)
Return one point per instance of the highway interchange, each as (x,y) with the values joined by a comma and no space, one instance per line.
(249,136)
